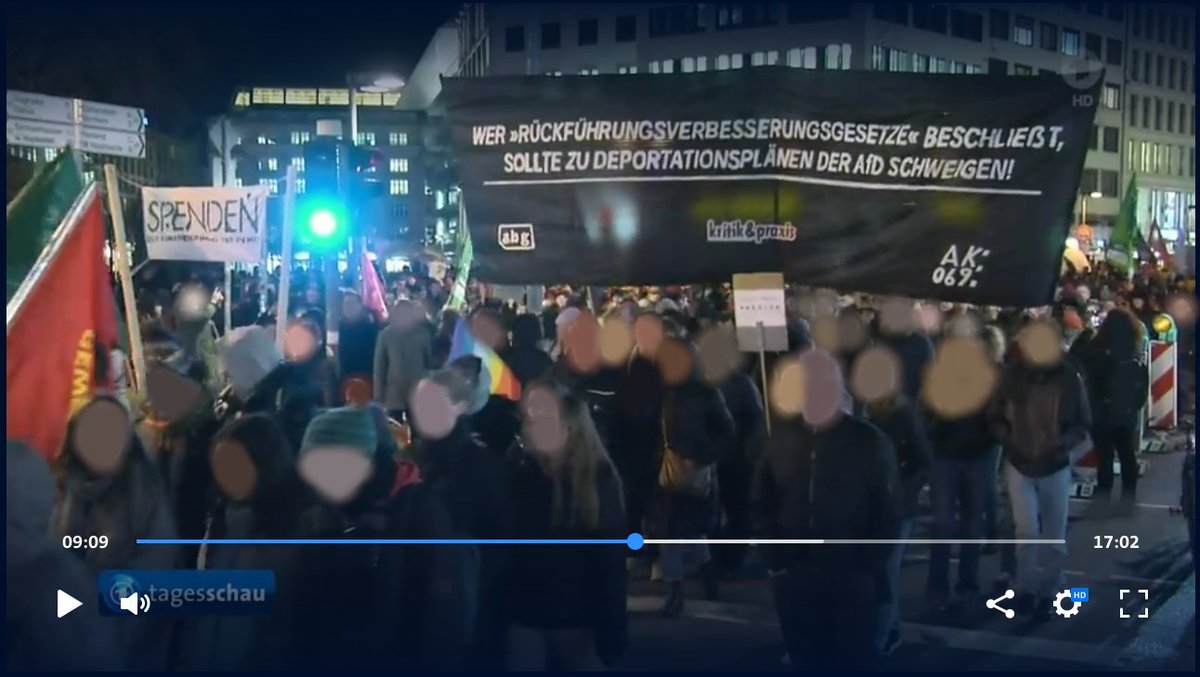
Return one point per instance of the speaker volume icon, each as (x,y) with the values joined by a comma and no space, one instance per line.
(135,604)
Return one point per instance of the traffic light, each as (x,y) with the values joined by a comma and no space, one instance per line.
(323,218)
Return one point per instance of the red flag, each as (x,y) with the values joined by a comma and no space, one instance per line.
(372,289)
(58,323)
(1158,245)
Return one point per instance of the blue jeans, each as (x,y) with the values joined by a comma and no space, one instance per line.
(889,611)
(959,491)
(1039,506)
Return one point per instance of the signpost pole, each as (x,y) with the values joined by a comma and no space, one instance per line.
(121,253)
(762,370)
(285,266)
(228,297)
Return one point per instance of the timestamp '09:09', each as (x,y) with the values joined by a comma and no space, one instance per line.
(81,542)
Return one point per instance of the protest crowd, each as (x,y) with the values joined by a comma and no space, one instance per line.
(591,415)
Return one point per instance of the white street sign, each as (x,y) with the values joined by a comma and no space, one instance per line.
(54,121)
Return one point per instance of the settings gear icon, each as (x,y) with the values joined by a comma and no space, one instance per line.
(1073,607)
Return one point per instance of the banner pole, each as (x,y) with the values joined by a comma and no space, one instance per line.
(132,321)
(762,369)
(285,267)
(228,297)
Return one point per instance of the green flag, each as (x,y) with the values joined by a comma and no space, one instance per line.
(1125,231)
(35,213)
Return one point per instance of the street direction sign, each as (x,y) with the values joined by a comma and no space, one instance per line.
(54,121)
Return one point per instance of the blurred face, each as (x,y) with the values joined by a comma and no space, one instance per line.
(544,427)
(299,344)
(487,329)
(101,440)
(337,474)
(312,296)
(233,470)
(648,334)
(433,413)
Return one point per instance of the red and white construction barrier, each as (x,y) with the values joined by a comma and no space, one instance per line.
(1164,382)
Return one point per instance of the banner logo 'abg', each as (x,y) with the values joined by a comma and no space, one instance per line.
(749,231)
(516,237)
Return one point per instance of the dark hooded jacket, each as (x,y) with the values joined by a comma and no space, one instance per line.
(1114,371)
(527,361)
(356,346)
(37,567)
(273,511)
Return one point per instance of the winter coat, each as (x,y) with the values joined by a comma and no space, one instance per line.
(403,356)
(1040,416)
(838,483)
(567,587)
(746,407)
(903,428)
(915,352)
(527,361)
(393,607)
(962,439)
(599,390)
(127,506)
(639,402)
(1114,371)
(37,567)
(356,347)
(698,427)
(497,424)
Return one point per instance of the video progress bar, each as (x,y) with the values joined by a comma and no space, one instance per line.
(633,541)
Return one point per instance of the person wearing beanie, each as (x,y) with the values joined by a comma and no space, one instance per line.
(394,606)
(472,482)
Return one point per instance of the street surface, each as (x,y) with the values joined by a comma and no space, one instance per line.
(740,632)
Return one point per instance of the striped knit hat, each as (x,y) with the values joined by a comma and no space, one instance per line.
(352,427)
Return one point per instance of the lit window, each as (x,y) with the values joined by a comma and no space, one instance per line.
(298,163)
(722,62)
(627,70)
(1070,42)
(1023,31)
(687,65)
(89,176)
(1110,96)
(920,63)
(898,61)
(772,57)
(668,66)
(270,164)
(264,140)
(878,58)
(237,182)
(365,139)
(654,67)
(397,139)
(701,63)
(793,57)
(398,165)
(837,57)
(49,154)
(589,71)
(958,66)
(398,187)
(758,59)
(271,184)
(299,185)
(454,197)
(300,138)
(737,61)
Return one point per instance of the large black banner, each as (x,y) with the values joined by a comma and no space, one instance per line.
(959,187)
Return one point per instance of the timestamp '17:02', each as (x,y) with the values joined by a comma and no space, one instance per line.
(1116,543)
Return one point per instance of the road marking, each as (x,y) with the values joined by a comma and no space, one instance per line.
(935,636)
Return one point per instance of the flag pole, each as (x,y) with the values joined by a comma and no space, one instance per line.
(285,267)
(50,252)
(132,321)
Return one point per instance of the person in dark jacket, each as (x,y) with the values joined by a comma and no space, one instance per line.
(736,469)
(37,568)
(392,607)
(444,338)
(899,420)
(526,359)
(827,475)
(403,356)
(305,347)
(262,497)
(1042,417)
(697,431)
(1118,387)
(639,401)
(109,486)
(897,330)
(472,482)
(566,603)
(357,333)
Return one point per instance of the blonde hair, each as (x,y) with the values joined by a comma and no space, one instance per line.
(586,458)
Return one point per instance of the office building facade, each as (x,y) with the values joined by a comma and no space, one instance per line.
(266,130)
(999,38)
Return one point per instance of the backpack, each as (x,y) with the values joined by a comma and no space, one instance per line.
(1126,390)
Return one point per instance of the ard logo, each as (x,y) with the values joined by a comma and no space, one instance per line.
(515,237)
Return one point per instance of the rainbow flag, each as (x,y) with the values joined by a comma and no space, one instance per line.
(503,381)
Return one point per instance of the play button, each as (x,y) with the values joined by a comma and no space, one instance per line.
(67,604)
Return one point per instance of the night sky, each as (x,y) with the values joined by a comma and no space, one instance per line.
(182,60)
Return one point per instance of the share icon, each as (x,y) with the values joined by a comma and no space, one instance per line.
(995,604)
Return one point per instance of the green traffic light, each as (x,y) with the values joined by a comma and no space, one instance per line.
(323,223)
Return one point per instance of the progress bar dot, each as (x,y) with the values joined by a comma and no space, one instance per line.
(635,541)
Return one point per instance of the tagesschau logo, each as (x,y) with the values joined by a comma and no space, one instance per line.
(213,592)
(749,231)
